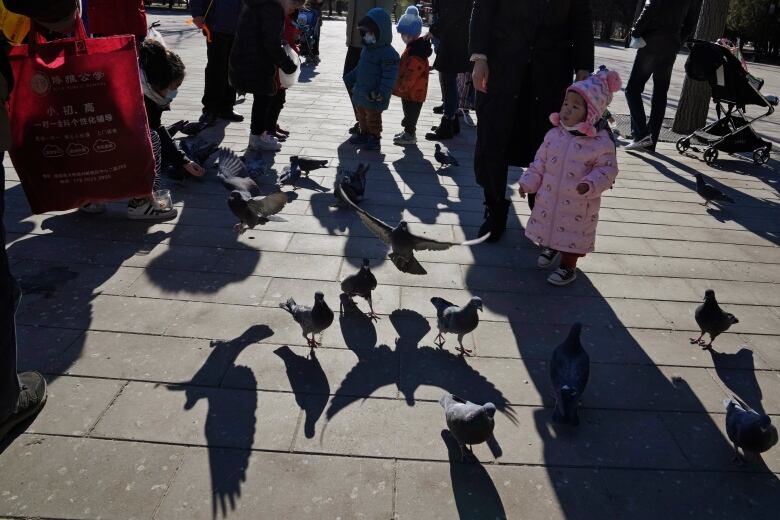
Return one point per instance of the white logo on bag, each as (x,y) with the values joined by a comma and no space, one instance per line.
(40,84)
(52,151)
(104,145)
(76,150)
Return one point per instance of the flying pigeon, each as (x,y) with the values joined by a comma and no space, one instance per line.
(255,165)
(469,423)
(198,149)
(748,429)
(456,320)
(402,242)
(308,164)
(290,175)
(711,319)
(244,200)
(710,193)
(312,320)
(444,158)
(361,284)
(352,183)
(569,370)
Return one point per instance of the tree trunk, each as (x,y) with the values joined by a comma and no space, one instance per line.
(695,98)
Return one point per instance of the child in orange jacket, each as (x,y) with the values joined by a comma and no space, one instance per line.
(412,83)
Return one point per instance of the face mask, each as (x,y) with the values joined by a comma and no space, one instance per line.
(407,38)
(171,95)
(369,38)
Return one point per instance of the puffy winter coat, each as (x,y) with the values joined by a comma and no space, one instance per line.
(356,10)
(413,71)
(667,23)
(257,49)
(562,218)
(222,15)
(378,67)
(113,17)
(451,28)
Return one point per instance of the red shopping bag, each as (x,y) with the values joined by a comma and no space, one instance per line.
(78,123)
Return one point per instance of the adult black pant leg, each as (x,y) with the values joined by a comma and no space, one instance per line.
(642,70)
(218,94)
(662,77)
(9,301)
(350,62)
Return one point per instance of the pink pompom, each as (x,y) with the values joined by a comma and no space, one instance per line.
(613,81)
(555,119)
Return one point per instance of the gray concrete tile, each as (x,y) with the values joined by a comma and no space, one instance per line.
(752,319)
(58,477)
(37,347)
(202,416)
(206,287)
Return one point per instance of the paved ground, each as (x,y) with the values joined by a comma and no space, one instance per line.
(180,390)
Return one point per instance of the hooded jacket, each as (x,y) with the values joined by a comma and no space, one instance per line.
(413,71)
(257,49)
(377,69)
(356,10)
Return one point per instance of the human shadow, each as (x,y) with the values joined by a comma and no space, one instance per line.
(416,172)
(474,491)
(737,372)
(230,419)
(309,384)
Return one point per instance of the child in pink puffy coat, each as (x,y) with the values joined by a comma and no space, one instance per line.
(574,166)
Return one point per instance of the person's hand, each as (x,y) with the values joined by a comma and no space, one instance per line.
(522,192)
(581,74)
(375,96)
(194,169)
(480,75)
(583,188)
(198,21)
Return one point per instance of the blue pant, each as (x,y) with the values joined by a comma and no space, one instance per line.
(9,302)
(449,91)
(649,62)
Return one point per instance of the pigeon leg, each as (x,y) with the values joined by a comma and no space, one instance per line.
(374,316)
(708,346)
(314,342)
(239,228)
(439,340)
(463,350)
(698,340)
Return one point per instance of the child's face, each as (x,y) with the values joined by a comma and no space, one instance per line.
(172,89)
(574,109)
(407,38)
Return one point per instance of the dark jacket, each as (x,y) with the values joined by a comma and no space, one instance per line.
(222,17)
(533,49)
(667,23)
(171,154)
(257,50)
(452,30)
(377,69)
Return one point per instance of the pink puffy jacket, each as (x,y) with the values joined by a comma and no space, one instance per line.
(562,218)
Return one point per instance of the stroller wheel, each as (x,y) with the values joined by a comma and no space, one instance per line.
(710,155)
(683,144)
(761,155)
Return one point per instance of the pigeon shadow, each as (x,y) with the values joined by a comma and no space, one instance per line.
(358,330)
(309,384)
(475,493)
(737,371)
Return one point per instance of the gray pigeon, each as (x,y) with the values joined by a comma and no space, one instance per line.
(456,320)
(469,423)
(291,174)
(244,200)
(402,242)
(711,319)
(308,164)
(361,284)
(748,429)
(569,371)
(444,158)
(313,320)
(198,149)
(710,193)
(353,184)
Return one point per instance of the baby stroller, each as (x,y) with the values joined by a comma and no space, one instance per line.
(308,23)
(732,90)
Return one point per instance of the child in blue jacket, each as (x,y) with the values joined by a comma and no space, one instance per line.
(373,79)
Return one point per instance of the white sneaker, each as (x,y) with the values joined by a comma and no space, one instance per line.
(643,144)
(547,258)
(148,210)
(398,135)
(404,139)
(264,143)
(563,276)
(93,208)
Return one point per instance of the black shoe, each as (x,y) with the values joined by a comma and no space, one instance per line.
(355,129)
(443,131)
(439,109)
(495,220)
(232,116)
(31,400)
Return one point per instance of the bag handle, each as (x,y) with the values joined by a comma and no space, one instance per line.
(80,36)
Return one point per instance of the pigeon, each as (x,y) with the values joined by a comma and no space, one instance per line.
(197,149)
(244,200)
(361,284)
(569,370)
(290,175)
(352,183)
(312,320)
(711,319)
(308,164)
(748,429)
(456,320)
(445,158)
(469,423)
(255,165)
(402,242)
(175,128)
(193,127)
(710,193)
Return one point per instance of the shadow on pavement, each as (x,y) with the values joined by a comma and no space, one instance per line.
(309,384)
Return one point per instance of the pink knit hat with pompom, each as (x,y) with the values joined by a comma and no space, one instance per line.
(597,91)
